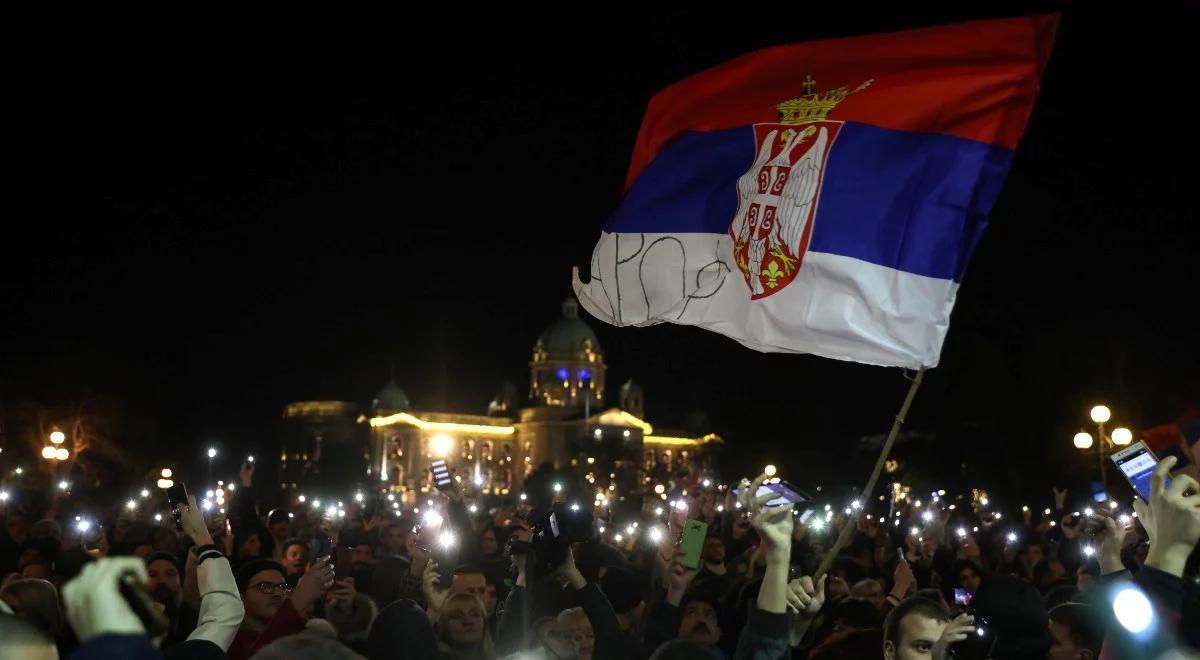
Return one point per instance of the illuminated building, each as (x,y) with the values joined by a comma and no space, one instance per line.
(565,423)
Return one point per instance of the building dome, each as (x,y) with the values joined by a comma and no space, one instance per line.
(391,397)
(567,369)
(568,336)
(633,400)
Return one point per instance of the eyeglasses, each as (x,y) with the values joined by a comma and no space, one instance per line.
(269,588)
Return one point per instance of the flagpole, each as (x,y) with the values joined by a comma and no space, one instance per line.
(851,520)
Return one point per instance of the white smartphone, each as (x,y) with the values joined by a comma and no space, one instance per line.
(1137,463)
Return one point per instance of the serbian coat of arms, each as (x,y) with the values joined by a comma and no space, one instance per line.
(778,195)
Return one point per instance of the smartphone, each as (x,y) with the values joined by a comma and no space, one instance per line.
(786,492)
(804,517)
(177,497)
(441,475)
(1137,463)
(343,565)
(319,547)
(691,542)
(963,596)
(446,557)
(426,533)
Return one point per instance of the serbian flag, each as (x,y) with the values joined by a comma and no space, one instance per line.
(1180,438)
(822,197)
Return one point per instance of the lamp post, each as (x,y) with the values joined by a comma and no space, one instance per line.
(212,453)
(54,452)
(1105,444)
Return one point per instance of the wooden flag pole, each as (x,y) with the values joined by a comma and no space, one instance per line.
(865,496)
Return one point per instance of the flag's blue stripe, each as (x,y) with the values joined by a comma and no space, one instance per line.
(913,202)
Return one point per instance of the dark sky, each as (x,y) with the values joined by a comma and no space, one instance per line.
(202,229)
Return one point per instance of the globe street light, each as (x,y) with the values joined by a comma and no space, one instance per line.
(1105,444)
(1122,436)
(58,437)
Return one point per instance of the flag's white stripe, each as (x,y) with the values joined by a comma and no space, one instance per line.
(837,306)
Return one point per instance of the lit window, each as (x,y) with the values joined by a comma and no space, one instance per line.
(562,373)
(585,374)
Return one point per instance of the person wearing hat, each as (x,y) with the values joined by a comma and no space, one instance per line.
(624,589)
(402,630)
(164,585)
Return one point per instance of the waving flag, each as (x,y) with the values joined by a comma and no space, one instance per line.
(822,197)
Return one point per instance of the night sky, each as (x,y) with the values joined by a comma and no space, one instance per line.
(200,230)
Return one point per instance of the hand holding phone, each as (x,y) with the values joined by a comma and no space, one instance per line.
(177,496)
(343,565)
(1137,463)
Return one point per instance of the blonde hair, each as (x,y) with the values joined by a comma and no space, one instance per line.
(486,647)
(572,616)
(462,595)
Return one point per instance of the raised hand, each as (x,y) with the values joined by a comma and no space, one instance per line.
(1172,519)
(1060,498)
(435,597)
(774,524)
(569,572)
(342,594)
(959,629)
(903,580)
(193,523)
(313,585)
(676,577)
(804,598)
(93,600)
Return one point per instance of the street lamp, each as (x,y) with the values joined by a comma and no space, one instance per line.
(58,437)
(1105,444)
(1083,439)
(1122,436)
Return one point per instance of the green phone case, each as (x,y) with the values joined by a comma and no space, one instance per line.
(692,542)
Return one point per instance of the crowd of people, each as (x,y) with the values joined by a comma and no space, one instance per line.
(461,576)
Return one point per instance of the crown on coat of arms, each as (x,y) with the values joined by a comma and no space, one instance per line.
(814,106)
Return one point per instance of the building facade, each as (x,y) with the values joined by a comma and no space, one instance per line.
(565,423)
